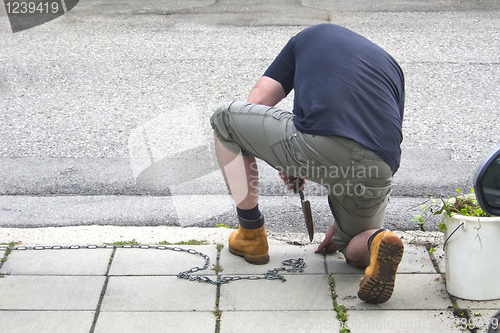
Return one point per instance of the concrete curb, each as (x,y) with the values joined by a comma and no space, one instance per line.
(97,235)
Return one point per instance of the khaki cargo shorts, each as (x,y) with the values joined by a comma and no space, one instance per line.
(357,180)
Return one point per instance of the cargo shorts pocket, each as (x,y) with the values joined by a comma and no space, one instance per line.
(286,160)
(282,157)
(367,200)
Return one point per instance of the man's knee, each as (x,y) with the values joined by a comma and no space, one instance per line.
(356,262)
(220,123)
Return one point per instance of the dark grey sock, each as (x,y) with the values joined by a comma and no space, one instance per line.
(249,214)
(251,224)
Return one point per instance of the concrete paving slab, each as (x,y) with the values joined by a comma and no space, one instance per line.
(360,321)
(307,291)
(236,265)
(161,262)
(279,321)
(133,322)
(58,262)
(335,263)
(478,305)
(50,292)
(46,321)
(416,259)
(157,293)
(412,292)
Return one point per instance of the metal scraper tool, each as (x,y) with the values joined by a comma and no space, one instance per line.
(306,209)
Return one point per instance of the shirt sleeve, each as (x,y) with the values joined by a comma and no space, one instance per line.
(282,69)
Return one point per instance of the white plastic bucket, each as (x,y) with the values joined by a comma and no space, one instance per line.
(472,256)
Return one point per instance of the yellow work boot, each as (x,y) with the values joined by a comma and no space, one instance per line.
(386,252)
(251,244)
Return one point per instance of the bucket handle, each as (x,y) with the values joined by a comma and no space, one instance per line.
(461,224)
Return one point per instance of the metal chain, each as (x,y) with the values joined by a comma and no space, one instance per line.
(290,265)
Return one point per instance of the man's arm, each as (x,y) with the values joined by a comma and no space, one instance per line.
(267,91)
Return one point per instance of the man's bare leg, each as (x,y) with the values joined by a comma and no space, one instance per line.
(357,252)
(241,175)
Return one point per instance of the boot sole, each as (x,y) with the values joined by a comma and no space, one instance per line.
(252,259)
(378,287)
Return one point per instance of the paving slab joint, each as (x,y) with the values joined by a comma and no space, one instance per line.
(218,270)
(8,250)
(340,309)
(463,316)
(430,250)
(103,291)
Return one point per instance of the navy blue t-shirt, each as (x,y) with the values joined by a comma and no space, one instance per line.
(345,85)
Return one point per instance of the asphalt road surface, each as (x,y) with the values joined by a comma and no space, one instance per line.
(104,111)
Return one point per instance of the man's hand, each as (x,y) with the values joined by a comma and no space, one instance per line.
(291,182)
(327,244)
